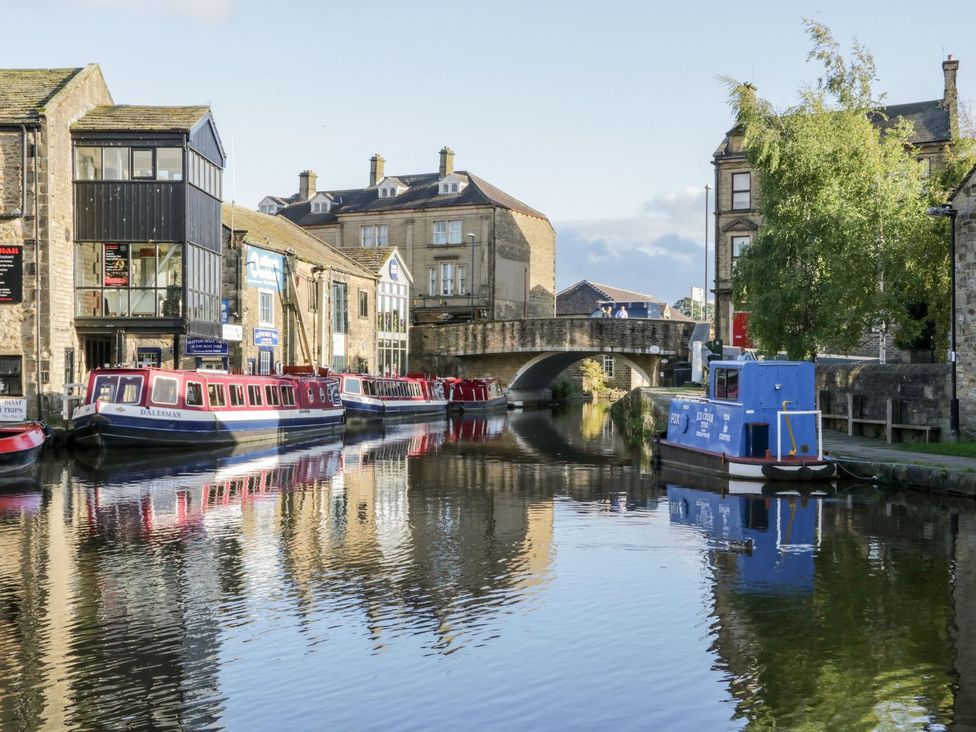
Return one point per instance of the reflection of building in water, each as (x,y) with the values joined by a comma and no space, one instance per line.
(964,605)
(856,632)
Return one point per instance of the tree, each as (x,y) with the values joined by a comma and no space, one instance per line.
(846,243)
(692,308)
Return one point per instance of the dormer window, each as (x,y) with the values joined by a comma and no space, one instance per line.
(269,208)
(321,204)
(389,192)
(390,188)
(450,184)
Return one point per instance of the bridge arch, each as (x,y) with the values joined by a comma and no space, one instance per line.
(540,371)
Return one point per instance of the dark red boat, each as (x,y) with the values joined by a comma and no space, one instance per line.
(474,395)
(20,445)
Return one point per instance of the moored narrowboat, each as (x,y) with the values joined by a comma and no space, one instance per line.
(153,407)
(368,396)
(20,445)
(474,395)
(760,422)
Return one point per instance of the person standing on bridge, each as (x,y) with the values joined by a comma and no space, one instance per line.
(622,312)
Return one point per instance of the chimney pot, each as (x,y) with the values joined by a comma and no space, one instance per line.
(447,161)
(376,165)
(950,95)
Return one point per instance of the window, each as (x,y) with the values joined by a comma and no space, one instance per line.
(363,303)
(264,362)
(288,396)
(340,323)
(741,191)
(462,280)
(142,163)
(236,395)
(374,236)
(313,296)
(739,244)
(432,281)
(194,394)
(265,307)
(254,394)
(115,163)
(317,207)
(216,394)
(271,395)
(269,208)
(926,165)
(447,232)
(88,163)
(169,163)
(608,366)
(149,357)
(165,390)
(447,278)
(727,384)
(351,386)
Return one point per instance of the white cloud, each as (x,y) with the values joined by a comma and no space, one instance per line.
(208,11)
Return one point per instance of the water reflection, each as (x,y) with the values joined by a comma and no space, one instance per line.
(510,571)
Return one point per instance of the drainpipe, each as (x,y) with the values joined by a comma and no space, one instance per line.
(37,292)
(23,170)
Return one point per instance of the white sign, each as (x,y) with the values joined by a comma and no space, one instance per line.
(232,332)
(13,410)
(698,294)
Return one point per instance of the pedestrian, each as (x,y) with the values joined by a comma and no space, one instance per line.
(622,312)
(607,313)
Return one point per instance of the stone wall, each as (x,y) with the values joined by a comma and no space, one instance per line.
(921,393)
(965,203)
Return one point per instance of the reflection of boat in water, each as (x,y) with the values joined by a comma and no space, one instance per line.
(761,423)
(775,535)
(680,475)
(467,427)
(20,496)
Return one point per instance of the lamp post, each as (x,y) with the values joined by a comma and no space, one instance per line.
(947,211)
(471,285)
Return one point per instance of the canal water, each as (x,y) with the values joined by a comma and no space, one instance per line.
(514,572)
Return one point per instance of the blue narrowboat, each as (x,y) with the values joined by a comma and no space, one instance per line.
(760,422)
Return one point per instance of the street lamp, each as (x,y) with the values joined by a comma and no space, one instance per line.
(704,312)
(471,285)
(947,211)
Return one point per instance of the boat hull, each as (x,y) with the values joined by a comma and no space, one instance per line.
(760,469)
(480,405)
(19,447)
(370,408)
(114,425)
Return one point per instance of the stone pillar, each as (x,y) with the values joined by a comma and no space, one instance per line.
(447,161)
(306,184)
(950,96)
(376,167)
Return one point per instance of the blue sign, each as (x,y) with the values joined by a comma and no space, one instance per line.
(265,337)
(394,270)
(265,269)
(224,310)
(204,347)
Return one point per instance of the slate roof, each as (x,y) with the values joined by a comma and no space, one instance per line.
(585,298)
(135,118)
(371,258)
(25,92)
(931,120)
(421,193)
(615,294)
(279,234)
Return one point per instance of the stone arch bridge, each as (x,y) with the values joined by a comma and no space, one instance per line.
(527,355)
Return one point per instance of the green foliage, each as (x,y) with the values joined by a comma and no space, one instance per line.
(846,243)
(692,308)
(594,378)
(562,389)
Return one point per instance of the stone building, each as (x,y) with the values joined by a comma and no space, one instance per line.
(963,202)
(737,217)
(587,299)
(477,252)
(38,344)
(291,298)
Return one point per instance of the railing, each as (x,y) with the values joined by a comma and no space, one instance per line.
(72,393)
(779,432)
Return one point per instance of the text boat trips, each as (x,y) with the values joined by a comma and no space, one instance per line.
(761,423)
(166,408)
(474,395)
(19,445)
(391,396)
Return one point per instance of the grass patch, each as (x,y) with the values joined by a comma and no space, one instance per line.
(963,448)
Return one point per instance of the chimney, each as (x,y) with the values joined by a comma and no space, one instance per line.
(376,169)
(306,184)
(950,96)
(447,161)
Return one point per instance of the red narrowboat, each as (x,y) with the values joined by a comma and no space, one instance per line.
(474,395)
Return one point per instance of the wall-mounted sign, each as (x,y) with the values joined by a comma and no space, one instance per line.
(265,269)
(205,347)
(232,332)
(224,310)
(265,337)
(394,270)
(13,410)
(117,264)
(11,275)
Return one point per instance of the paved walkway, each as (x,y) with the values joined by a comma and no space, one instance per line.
(878,451)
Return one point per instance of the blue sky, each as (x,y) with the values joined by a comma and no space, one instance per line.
(603,116)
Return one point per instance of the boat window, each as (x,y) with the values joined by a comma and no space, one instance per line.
(322,395)
(236,395)
(727,384)
(194,394)
(311,395)
(216,394)
(271,395)
(288,396)
(351,386)
(165,390)
(254,395)
(130,389)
